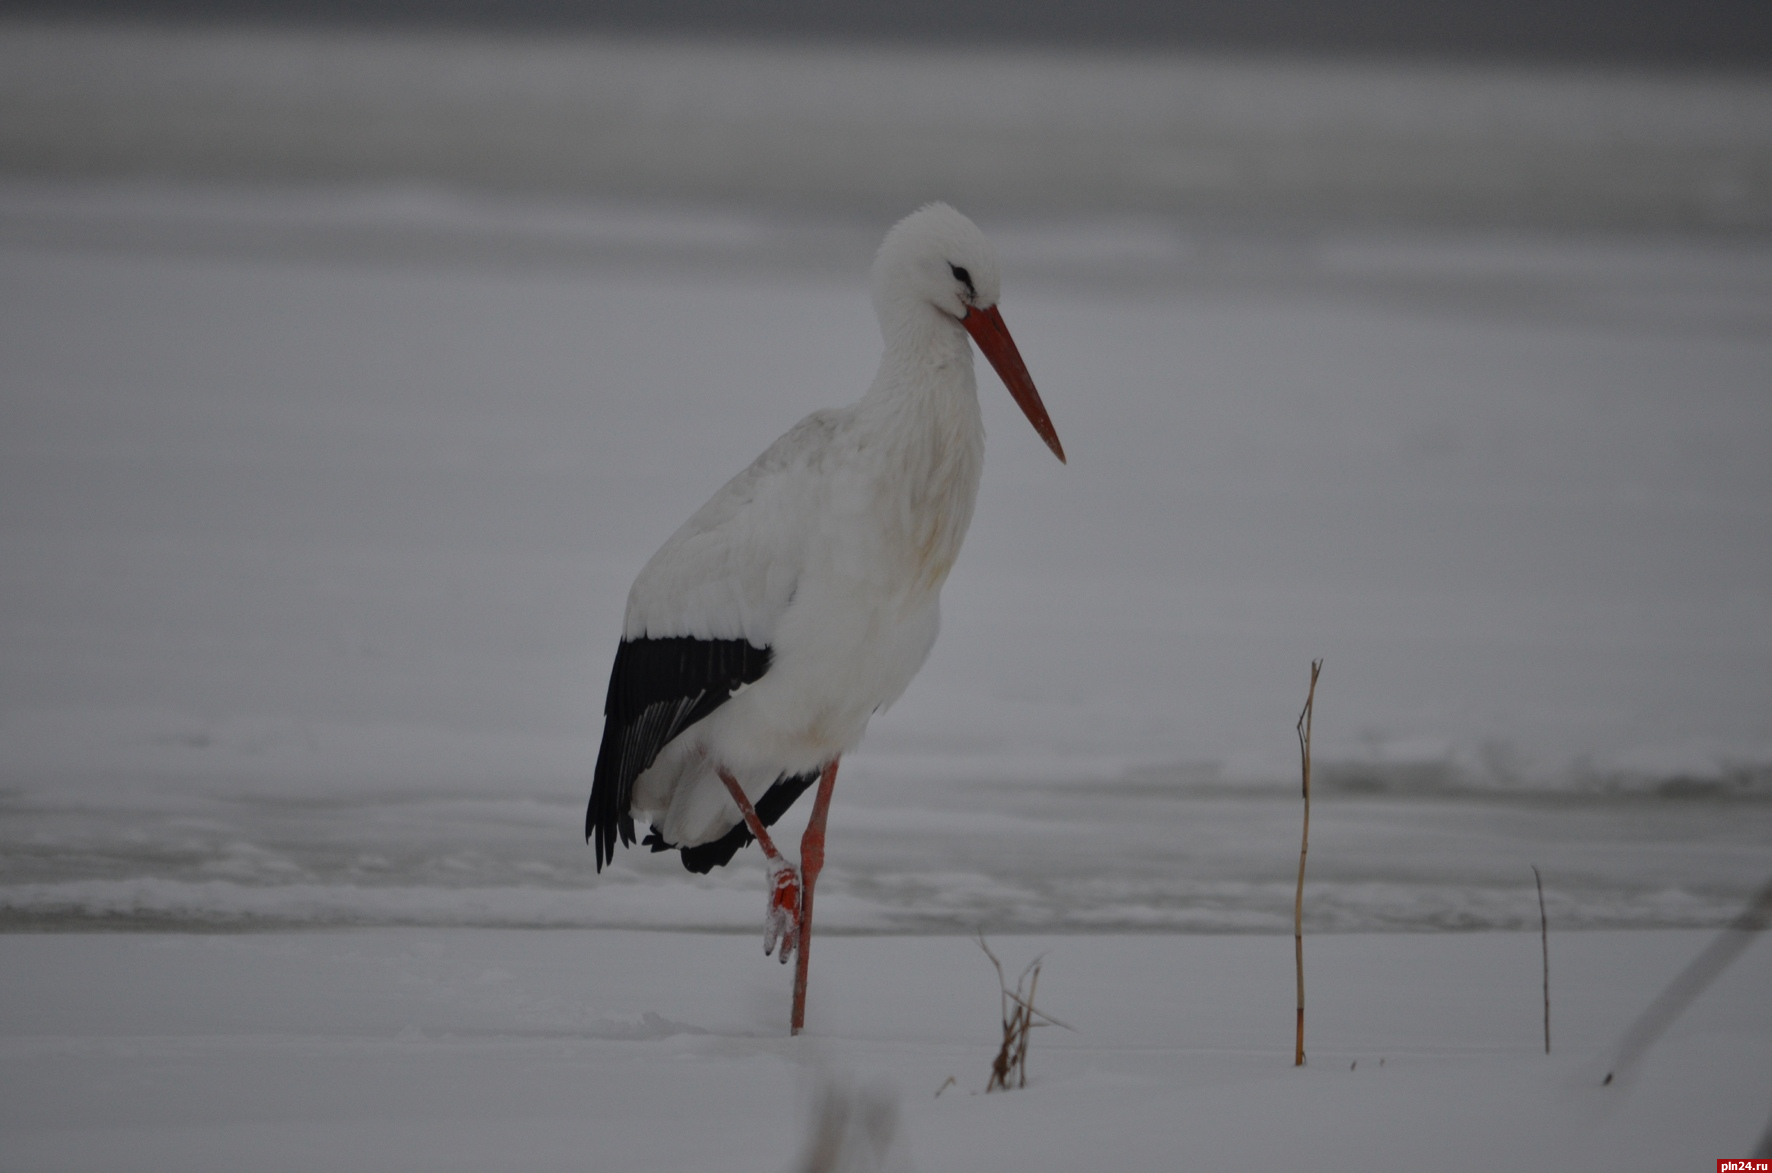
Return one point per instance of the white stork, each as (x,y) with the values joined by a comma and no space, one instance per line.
(803,598)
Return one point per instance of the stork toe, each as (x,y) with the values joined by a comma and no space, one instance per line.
(781,925)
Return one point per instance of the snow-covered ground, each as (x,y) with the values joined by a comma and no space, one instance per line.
(482,1049)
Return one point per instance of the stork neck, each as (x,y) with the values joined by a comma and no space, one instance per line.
(926,385)
(927,440)
(927,354)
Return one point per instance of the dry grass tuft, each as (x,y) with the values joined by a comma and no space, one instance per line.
(1020,1017)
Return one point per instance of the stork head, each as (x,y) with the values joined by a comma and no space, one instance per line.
(937,260)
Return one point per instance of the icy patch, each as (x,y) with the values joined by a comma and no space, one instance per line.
(1141,854)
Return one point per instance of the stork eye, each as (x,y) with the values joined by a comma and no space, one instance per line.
(963,277)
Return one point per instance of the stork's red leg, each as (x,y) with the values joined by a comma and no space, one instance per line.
(783,921)
(750,814)
(811,863)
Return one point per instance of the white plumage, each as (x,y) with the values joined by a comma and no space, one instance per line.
(805,595)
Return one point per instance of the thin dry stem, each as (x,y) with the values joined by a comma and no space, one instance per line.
(1304,847)
(1021,1046)
(1544,941)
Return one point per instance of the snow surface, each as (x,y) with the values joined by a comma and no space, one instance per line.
(479,1049)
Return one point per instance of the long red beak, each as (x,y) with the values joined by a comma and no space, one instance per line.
(987,329)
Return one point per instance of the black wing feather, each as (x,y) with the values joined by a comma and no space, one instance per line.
(657,689)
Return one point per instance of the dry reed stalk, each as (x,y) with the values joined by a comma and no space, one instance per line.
(1304,846)
(1544,941)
